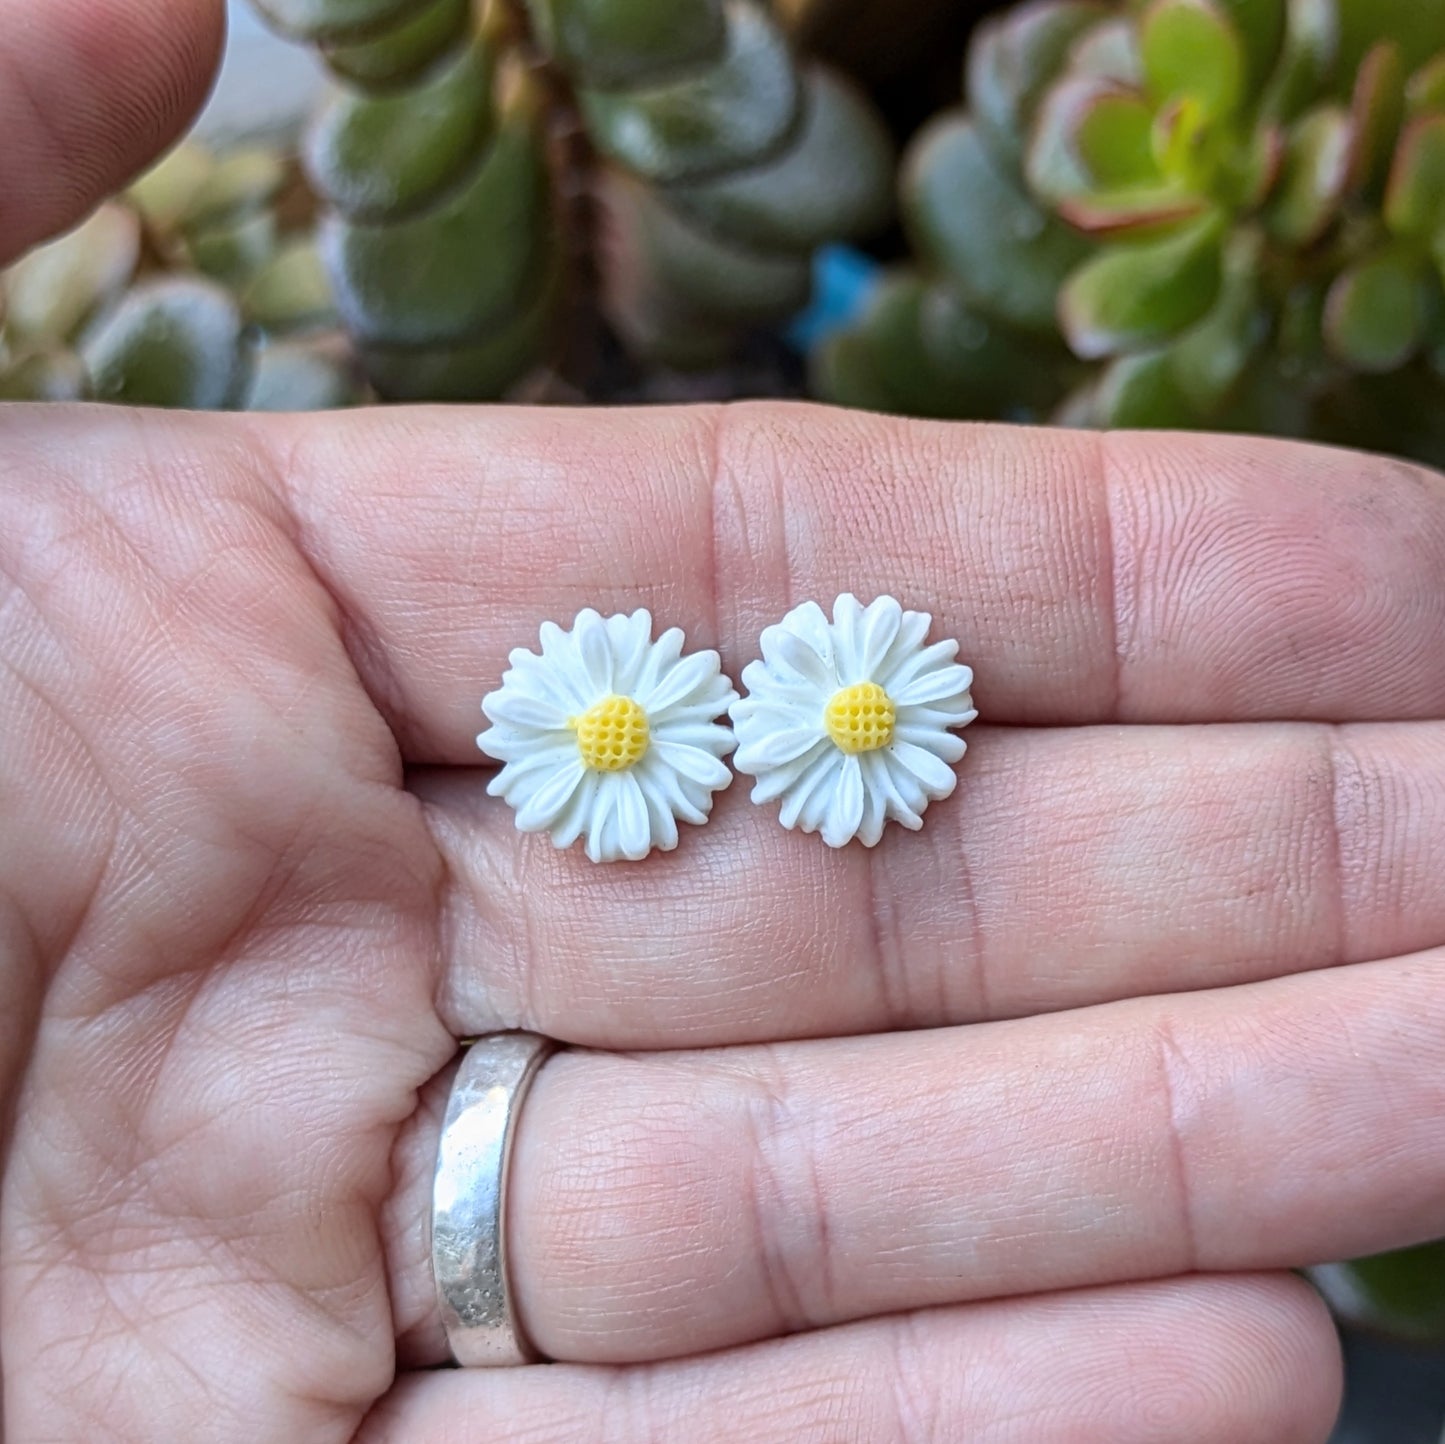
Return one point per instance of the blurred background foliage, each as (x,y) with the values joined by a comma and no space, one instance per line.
(1183,213)
(1187,213)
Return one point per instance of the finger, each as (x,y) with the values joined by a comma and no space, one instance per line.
(667,1204)
(90,90)
(1217,1361)
(1133,578)
(1074,866)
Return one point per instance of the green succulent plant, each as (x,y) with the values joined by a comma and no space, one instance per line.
(191,291)
(484,166)
(1401,1293)
(1194,213)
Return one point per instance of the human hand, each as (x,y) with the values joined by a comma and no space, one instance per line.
(998,1132)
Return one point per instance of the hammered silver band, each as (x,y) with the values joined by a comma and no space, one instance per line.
(469,1199)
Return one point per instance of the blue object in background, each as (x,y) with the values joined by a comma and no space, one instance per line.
(844,280)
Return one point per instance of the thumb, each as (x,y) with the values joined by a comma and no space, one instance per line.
(90,90)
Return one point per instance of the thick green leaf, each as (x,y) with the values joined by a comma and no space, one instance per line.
(45,376)
(301,376)
(1374,316)
(833,182)
(482,369)
(737,112)
(1211,358)
(235,185)
(1013,58)
(384,155)
(843,371)
(1425,93)
(611,44)
(51,291)
(232,253)
(1376,111)
(1142,392)
(292,291)
(164,194)
(972,220)
(1415,201)
(1402,1293)
(1315,177)
(1260,25)
(1109,51)
(398,54)
(1115,141)
(1192,52)
(332,19)
(174,342)
(1137,213)
(1312,42)
(484,248)
(1135,297)
(717,279)
(1416,26)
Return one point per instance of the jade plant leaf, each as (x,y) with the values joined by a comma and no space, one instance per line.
(398,54)
(1133,297)
(718,278)
(612,44)
(232,253)
(1426,89)
(485,247)
(1109,51)
(1315,178)
(1312,43)
(833,182)
(1415,201)
(45,376)
(51,291)
(736,111)
(238,183)
(1417,26)
(482,368)
(292,291)
(175,342)
(1260,25)
(300,376)
(998,246)
(164,194)
(1142,391)
(1376,111)
(1374,316)
(1210,359)
(1012,60)
(332,19)
(1192,52)
(1402,1293)
(390,154)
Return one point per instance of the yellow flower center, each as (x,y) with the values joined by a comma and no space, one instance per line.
(612,735)
(860,718)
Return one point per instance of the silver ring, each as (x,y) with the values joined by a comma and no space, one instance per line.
(469,1199)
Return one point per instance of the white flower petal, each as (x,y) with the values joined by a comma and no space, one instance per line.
(787,650)
(810,622)
(946,745)
(634,829)
(602,830)
(937,777)
(521,777)
(773,782)
(807,798)
(661,656)
(845,809)
(929,659)
(662,822)
(877,794)
(543,806)
(771,748)
(934,686)
(876,631)
(847,622)
(709,736)
(576,817)
(514,708)
(679,683)
(913,630)
(594,651)
(630,638)
(692,762)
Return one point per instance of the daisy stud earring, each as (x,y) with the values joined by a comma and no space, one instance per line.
(609,735)
(847,721)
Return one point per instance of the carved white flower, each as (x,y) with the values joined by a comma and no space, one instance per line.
(847,722)
(609,735)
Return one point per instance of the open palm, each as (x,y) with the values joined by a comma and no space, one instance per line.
(1148,1011)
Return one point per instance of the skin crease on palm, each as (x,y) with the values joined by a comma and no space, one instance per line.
(1003,1133)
